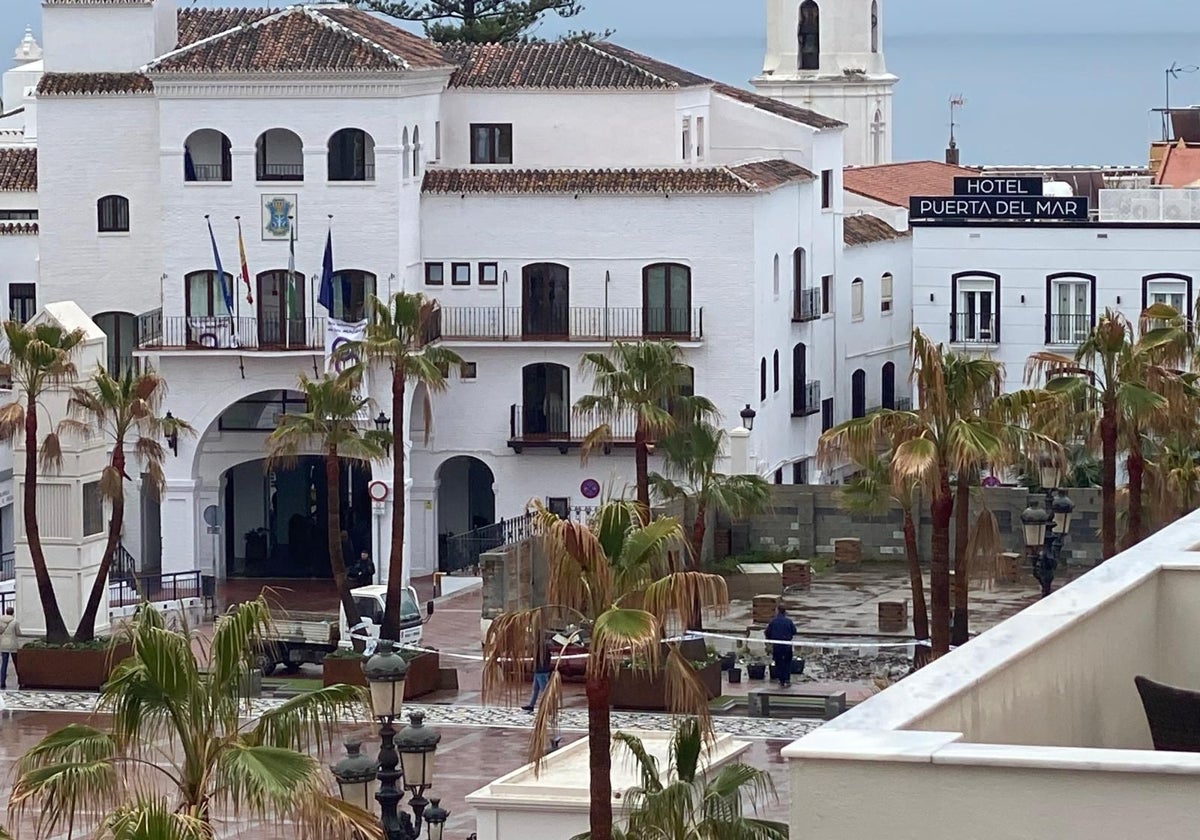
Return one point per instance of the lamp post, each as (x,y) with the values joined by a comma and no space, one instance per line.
(383,423)
(405,759)
(1046,528)
(748,414)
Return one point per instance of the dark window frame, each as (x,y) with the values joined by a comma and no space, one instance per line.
(1168,275)
(216,297)
(762,379)
(92,502)
(887,304)
(346,161)
(112,214)
(973,275)
(441,274)
(887,385)
(775,373)
(667,321)
(454,270)
(826,189)
(369,283)
(827,414)
(858,394)
(498,136)
(1050,299)
(468,371)
(483,281)
(800,471)
(826,294)
(26,295)
(808,36)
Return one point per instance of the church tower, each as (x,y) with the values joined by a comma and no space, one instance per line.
(827,55)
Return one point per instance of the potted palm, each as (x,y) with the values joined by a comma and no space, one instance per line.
(756,668)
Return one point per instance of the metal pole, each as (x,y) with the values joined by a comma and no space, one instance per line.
(396,826)
(504,306)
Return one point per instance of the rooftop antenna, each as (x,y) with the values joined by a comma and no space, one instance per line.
(957,101)
(1173,72)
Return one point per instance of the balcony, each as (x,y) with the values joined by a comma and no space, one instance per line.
(1040,710)
(211,333)
(807,306)
(807,400)
(280,172)
(575,323)
(560,428)
(1067,329)
(974,328)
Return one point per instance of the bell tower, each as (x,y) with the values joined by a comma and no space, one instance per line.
(827,55)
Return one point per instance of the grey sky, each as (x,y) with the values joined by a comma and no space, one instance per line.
(643,19)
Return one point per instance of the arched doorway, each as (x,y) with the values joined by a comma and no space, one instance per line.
(858,393)
(545,301)
(887,388)
(281,309)
(466,501)
(121,330)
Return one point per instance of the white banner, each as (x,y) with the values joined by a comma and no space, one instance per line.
(338,333)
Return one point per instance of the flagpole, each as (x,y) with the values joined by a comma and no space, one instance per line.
(289,297)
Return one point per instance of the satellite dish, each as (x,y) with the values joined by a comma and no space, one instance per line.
(212,515)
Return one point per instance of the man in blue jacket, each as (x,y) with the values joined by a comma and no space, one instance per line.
(781,629)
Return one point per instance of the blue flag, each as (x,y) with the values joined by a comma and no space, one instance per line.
(226,292)
(325,294)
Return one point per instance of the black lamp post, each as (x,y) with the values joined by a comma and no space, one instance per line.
(748,414)
(1046,528)
(383,423)
(405,759)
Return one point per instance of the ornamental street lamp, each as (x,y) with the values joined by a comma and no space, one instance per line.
(748,414)
(383,423)
(405,759)
(1046,529)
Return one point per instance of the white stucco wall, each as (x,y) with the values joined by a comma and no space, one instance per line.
(106,38)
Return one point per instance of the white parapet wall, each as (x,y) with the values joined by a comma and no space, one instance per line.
(1032,730)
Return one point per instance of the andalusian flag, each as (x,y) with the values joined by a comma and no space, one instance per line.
(291,275)
(245,268)
(225,291)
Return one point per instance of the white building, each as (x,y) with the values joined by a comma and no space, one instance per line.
(828,56)
(553,198)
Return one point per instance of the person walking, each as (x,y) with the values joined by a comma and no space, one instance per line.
(10,633)
(781,629)
(541,672)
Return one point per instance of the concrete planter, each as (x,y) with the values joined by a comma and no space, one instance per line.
(66,669)
(648,692)
(424,674)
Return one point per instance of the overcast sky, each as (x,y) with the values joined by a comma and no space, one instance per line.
(640,19)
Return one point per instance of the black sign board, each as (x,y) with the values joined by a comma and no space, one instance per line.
(994,207)
(994,185)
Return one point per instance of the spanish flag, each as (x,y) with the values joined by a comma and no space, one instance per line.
(245,268)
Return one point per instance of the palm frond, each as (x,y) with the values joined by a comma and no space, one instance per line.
(153,819)
(309,719)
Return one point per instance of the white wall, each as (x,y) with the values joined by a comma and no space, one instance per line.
(106,38)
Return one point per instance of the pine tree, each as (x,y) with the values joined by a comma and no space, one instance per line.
(481,21)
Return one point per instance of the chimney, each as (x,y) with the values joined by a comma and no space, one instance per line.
(952,153)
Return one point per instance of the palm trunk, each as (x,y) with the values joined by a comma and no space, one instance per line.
(1108,478)
(395,583)
(699,526)
(641,460)
(86,631)
(1136,465)
(333,525)
(917,584)
(962,574)
(941,510)
(600,758)
(56,628)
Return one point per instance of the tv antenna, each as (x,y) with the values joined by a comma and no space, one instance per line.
(956,102)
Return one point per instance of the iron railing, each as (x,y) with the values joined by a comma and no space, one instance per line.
(535,424)
(279,172)
(904,404)
(1067,329)
(807,306)
(462,551)
(170,586)
(569,323)
(7,599)
(974,328)
(8,566)
(124,566)
(210,172)
(807,399)
(221,332)
(351,172)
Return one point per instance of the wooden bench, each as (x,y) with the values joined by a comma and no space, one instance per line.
(828,706)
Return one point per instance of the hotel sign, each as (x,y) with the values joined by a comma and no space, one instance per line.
(992,198)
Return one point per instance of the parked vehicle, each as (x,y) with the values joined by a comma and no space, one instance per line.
(301,637)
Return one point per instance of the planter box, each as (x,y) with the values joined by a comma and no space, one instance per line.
(66,669)
(424,674)
(648,692)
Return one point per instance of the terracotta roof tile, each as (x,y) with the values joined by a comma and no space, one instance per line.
(301,39)
(677,76)
(895,183)
(745,179)
(18,170)
(18,228)
(779,109)
(865,229)
(546,66)
(198,24)
(1180,166)
(93,84)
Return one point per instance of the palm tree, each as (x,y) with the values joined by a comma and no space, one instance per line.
(947,433)
(216,765)
(398,333)
(690,454)
(692,806)
(1131,381)
(619,579)
(38,358)
(333,423)
(1173,478)
(645,381)
(872,491)
(118,408)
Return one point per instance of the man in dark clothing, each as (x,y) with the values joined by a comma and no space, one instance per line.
(362,573)
(541,671)
(781,629)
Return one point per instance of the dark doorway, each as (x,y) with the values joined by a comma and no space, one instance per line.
(800,395)
(887,390)
(858,393)
(546,401)
(545,301)
(466,502)
(281,320)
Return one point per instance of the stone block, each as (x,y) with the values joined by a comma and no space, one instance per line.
(1009,567)
(893,616)
(763,608)
(847,551)
(797,574)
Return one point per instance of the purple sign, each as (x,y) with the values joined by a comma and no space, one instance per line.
(590,488)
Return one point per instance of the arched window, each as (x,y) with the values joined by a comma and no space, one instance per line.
(806,396)
(878,137)
(887,386)
(204,296)
(858,393)
(416,152)
(775,372)
(404,150)
(207,156)
(279,156)
(810,35)
(351,156)
(775,283)
(112,214)
(856,298)
(874,26)
(885,292)
(667,300)
(351,291)
(121,330)
(762,379)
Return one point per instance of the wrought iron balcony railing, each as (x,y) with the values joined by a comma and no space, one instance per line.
(222,332)
(807,306)
(807,400)
(974,328)
(560,427)
(569,323)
